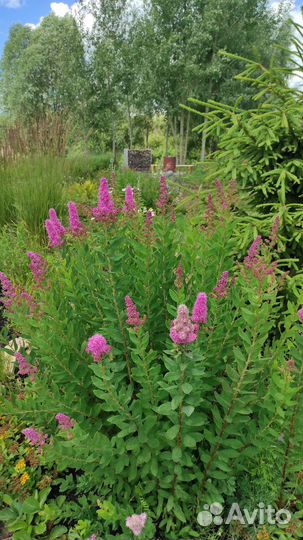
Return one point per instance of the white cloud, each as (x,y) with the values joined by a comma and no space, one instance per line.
(83,14)
(11,3)
(60,9)
(33,26)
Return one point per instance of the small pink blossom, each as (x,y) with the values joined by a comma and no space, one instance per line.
(300,314)
(64,421)
(25,368)
(133,315)
(136,523)
(98,347)
(29,301)
(38,266)
(291,365)
(183,331)
(200,309)
(34,437)
(130,205)
(75,226)
(221,289)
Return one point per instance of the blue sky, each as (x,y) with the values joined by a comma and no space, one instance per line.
(31,11)
(26,11)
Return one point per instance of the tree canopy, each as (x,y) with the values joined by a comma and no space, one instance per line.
(137,62)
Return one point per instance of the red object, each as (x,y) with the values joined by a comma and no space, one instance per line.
(170,164)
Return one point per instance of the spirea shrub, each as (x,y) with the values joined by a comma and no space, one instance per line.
(157,371)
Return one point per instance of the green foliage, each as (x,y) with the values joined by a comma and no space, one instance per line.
(159,428)
(14,261)
(146,184)
(261,147)
(30,518)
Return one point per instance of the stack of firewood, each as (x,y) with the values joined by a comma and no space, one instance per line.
(138,160)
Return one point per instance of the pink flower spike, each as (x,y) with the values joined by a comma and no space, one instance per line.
(164,196)
(105,211)
(252,256)
(136,523)
(300,314)
(55,238)
(133,315)
(38,266)
(76,227)
(64,421)
(97,346)
(130,205)
(221,289)
(179,276)
(200,309)
(275,232)
(221,194)
(8,290)
(183,331)
(56,222)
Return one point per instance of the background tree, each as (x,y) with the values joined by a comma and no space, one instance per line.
(44,69)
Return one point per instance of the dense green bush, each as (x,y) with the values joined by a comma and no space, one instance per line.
(82,166)
(14,261)
(262,148)
(160,418)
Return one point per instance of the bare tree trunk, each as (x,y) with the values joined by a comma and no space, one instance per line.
(186,135)
(166,136)
(181,137)
(130,130)
(203,146)
(114,142)
(147,137)
(174,130)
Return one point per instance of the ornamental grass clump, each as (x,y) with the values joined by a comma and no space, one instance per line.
(155,396)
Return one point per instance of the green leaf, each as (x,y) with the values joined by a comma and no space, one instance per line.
(165,409)
(172,432)
(57,532)
(187,388)
(177,454)
(188,410)
(189,441)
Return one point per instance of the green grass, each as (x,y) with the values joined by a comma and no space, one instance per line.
(29,187)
